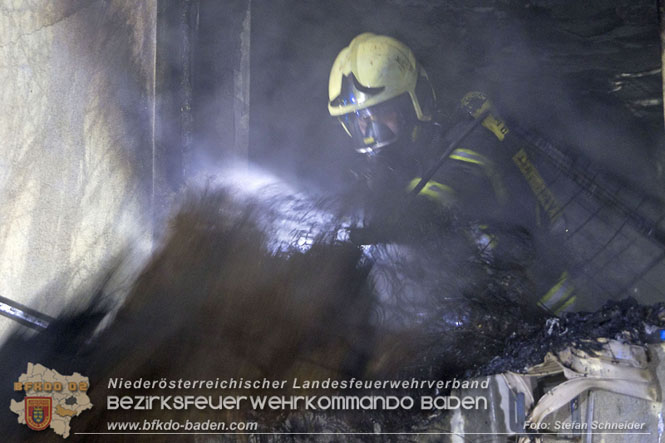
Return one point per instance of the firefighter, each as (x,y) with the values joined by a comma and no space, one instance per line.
(385,102)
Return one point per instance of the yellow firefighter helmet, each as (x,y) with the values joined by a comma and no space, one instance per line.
(379,92)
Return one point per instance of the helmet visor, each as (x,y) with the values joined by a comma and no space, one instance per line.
(374,127)
(353,93)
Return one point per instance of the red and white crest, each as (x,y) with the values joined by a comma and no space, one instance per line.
(38,412)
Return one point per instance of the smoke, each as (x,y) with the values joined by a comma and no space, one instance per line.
(530,57)
(256,274)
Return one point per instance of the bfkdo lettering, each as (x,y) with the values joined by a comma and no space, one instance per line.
(50,386)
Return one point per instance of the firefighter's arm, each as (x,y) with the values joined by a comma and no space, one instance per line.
(467,183)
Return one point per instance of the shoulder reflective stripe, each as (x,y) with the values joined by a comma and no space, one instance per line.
(477,103)
(496,126)
(434,190)
(537,185)
(499,189)
(467,155)
(560,295)
(555,288)
(566,305)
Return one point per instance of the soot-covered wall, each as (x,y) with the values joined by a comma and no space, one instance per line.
(76,83)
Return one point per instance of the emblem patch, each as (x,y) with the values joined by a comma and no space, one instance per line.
(38,412)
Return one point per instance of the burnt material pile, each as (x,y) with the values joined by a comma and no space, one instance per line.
(624,320)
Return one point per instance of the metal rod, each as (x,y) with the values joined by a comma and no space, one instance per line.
(24,315)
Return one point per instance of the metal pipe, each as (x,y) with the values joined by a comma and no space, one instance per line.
(24,315)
